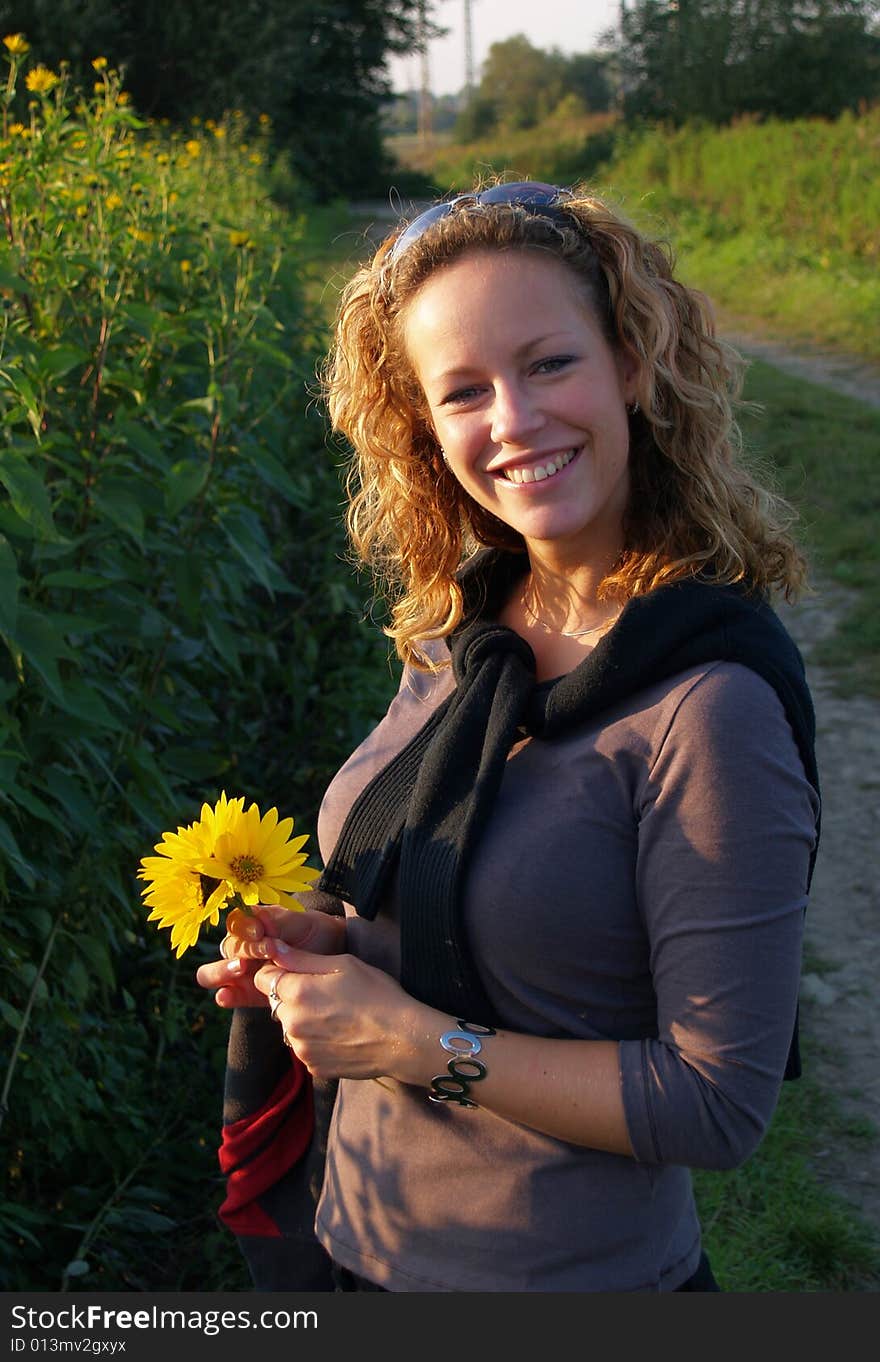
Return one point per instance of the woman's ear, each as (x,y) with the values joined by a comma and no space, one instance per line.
(629,366)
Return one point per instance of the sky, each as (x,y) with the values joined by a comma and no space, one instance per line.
(571,25)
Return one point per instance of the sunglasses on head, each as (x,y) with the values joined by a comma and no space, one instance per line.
(529,194)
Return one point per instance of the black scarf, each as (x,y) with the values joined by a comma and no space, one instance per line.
(424,812)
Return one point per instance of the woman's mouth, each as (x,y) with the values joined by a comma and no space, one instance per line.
(540,472)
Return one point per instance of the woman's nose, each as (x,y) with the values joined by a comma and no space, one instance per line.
(515,416)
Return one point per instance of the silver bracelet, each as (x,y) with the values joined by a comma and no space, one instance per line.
(464,1069)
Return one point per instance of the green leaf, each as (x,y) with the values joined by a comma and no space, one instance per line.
(41,920)
(68,792)
(10,584)
(11,1014)
(142,441)
(32,804)
(183,484)
(13,281)
(245,533)
(15,380)
(225,641)
(43,646)
(95,952)
(54,364)
(27,493)
(275,475)
(83,702)
(188,585)
(80,581)
(205,404)
(119,505)
(13,851)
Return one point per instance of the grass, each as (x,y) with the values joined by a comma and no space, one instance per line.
(825,447)
(771,1225)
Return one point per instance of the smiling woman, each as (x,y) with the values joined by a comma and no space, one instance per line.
(572,862)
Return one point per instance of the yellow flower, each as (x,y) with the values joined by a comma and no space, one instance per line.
(256,859)
(123,97)
(18,130)
(162,159)
(41,80)
(99,87)
(255,158)
(81,210)
(264,120)
(180,895)
(16,44)
(239,238)
(113,201)
(193,148)
(100,64)
(219,133)
(185,266)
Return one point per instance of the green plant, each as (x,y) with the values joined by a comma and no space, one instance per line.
(175,618)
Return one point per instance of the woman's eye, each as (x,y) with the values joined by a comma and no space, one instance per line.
(460,395)
(553,364)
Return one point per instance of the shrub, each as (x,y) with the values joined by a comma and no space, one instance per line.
(175,616)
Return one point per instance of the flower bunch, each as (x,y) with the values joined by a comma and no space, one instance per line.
(231,858)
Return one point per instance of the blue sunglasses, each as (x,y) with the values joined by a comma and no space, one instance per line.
(528,194)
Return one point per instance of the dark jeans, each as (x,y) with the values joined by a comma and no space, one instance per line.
(702,1280)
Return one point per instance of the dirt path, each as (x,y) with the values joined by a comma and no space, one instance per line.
(839,1012)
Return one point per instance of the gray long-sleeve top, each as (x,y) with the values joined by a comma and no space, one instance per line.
(641,879)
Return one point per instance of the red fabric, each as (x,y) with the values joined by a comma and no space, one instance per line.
(260,1148)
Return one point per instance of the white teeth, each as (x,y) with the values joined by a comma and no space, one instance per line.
(540,471)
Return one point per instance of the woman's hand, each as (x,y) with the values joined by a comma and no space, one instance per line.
(344,1018)
(252,939)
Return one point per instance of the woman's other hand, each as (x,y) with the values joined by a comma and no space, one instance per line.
(251,939)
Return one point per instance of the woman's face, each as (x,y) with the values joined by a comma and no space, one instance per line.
(526,397)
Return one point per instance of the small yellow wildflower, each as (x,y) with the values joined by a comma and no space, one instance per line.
(185,266)
(264,120)
(173,196)
(193,148)
(99,87)
(112,201)
(123,97)
(81,210)
(41,80)
(161,159)
(255,158)
(219,133)
(16,44)
(140,234)
(99,64)
(239,238)
(209,123)
(18,130)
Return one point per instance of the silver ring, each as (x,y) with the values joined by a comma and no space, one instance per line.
(275,999)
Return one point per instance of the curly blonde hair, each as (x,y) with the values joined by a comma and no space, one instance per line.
(694,506)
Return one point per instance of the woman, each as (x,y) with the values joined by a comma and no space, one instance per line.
(575,854)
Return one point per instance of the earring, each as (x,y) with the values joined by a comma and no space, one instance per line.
(443,455)
(634,409)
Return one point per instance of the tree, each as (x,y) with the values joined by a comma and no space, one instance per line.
(714,59)
(317,67)
(523,82)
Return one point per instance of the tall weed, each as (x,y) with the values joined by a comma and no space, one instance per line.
(174,618)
